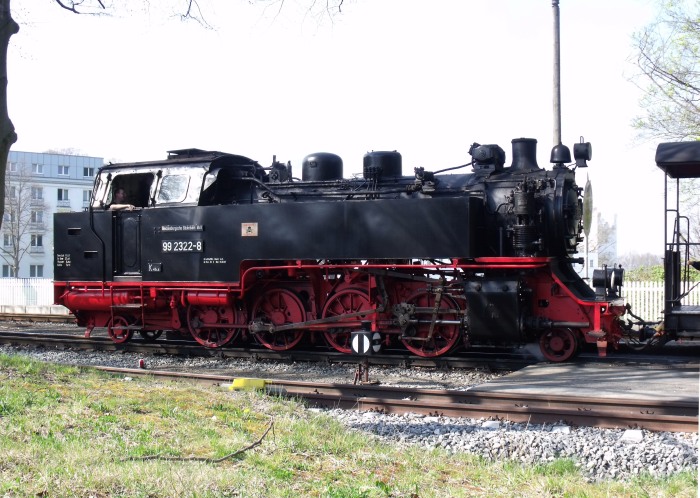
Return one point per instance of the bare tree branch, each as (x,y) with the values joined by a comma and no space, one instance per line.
(208,460)
(313,9)
(24,225)
(73,7)
(199,17)
(668,60)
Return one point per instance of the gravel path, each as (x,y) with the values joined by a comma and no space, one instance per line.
(599,453)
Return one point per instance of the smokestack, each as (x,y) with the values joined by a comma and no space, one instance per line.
(524,154)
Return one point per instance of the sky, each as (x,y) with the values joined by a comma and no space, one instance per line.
(425,78)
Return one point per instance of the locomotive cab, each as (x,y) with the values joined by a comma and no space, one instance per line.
(680,161)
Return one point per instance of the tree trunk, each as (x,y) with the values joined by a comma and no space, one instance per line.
(8,27)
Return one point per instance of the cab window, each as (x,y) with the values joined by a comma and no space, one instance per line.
(173,188)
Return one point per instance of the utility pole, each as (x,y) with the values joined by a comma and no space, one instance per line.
(557,74)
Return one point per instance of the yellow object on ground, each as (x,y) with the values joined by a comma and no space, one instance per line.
(244,383)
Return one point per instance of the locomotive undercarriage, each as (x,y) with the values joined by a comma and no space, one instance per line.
(428,309)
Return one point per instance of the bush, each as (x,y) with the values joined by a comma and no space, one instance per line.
(645,274)
(654,274)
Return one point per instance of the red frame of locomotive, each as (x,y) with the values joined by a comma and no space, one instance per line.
(216,313)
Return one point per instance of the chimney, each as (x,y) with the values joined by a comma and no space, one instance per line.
(524,154)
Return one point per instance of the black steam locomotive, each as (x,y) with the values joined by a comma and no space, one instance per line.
(215,246)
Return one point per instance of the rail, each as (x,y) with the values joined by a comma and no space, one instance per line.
(45,337)
(673,415)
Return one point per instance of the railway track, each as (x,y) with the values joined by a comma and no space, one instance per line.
(495,361)
(42,334)
(524,408)
(36,318)
(673,416)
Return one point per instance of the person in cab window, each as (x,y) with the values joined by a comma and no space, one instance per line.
(119,201)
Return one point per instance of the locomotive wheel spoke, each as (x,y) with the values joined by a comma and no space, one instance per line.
(341,303)
(208,324)
(559,344)
(118,329)
(279,307)
(444,336)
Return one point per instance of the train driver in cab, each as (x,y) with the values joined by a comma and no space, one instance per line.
(119,201)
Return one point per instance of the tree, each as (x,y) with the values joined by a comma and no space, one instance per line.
(602,239)
(668,58)
(66,151)
(631,261)
(24,214)
(606,241)
(8,27)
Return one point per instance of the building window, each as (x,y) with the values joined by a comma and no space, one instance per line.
(37,169)
(63,170)
(37,193)
(62,194)
(7,271)
(36,271)
(88,172)
(36,217)
(13,167)
(7,240)
(13,192)
(37,240)
(9,217)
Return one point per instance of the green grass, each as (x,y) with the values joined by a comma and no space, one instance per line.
(72,432)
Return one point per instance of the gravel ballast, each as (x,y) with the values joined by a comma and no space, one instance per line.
(599,453)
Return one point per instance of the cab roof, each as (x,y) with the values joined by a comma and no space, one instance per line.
(187,156)
(679,159)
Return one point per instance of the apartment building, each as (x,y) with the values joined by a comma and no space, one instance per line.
(36,186)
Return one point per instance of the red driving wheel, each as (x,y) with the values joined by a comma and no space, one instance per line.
(279,307)
(213,326)
(445,335)
(341,303)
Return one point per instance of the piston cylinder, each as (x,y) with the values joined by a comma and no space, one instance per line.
(208,298)
(96,300)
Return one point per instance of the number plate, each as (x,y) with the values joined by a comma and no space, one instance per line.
(182,246)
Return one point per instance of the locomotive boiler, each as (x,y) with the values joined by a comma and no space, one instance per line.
(217,247)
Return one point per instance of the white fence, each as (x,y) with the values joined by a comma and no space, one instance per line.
(35,295)
(647,298)
(28,295)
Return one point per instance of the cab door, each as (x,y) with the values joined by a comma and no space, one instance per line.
(127,245)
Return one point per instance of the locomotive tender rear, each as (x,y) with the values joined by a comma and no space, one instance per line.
(216,246)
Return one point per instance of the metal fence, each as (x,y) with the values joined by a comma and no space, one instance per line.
(35,295)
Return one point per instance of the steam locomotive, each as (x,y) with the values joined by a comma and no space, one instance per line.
(217,247)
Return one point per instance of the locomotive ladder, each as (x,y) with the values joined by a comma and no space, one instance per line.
(129,306)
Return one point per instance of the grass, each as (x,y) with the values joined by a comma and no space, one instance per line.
(72,432)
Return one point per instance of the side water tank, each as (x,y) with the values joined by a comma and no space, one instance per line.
(382,164)
(321,166)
